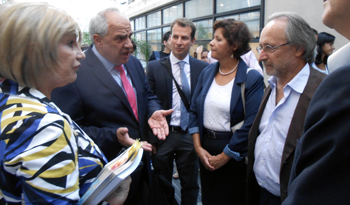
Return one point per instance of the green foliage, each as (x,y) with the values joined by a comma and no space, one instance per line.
(202,32)
(86,38)
(143,50)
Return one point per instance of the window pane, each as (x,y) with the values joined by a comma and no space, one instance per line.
(153,20)
(132,25)
(140,36)
(198,8)
(204,29)
(172,13)
(229,5)
(166,29)
(252,20)
(140,23)
(154,36)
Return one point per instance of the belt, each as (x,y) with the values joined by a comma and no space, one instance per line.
(216,134)
(176,129)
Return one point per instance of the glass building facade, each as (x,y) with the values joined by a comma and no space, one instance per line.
(151,26)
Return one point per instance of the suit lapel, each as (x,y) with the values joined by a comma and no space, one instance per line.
(195,72)
(99,71)
(297,124)
(236,89)
(169,80)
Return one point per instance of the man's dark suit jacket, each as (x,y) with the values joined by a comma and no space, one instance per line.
(321,168)
(161,81)
(98,104)
(294,133)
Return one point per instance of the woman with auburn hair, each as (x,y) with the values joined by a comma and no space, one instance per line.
(217,109)
(45,157)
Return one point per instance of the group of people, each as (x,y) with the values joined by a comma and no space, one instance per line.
(65,113)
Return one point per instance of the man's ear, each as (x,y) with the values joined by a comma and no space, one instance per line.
(98,40)
(299,52)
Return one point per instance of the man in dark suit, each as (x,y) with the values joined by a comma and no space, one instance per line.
(320,172)
(111,98)
(179,141)
(286,54)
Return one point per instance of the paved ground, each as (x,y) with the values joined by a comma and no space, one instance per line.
(177,186)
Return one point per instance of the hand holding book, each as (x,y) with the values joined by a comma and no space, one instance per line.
(112,176)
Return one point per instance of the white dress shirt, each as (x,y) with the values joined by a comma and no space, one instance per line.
(175,68)
(273,129)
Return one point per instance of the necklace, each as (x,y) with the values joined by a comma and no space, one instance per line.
(233,70)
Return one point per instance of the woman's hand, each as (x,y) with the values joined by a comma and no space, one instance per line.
(204,157)
(219,160)
(202,153)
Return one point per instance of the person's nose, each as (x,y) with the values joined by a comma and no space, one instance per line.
(262,55)
(80,54)
(128,43)
(211,43)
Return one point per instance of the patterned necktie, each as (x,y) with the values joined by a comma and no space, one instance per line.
(128,89)
(186,90)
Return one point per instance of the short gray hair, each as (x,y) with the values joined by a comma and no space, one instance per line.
(298,33)
(99,24)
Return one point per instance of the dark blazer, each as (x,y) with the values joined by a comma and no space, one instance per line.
(321,168)
(98,104)
(161,81)
(254,89)
(295,131)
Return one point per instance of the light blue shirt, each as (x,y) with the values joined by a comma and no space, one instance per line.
(114,73)
(273,129)
(175,68)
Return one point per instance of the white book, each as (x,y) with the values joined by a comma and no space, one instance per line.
(109,179)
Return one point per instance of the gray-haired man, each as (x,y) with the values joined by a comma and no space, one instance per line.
(286,49)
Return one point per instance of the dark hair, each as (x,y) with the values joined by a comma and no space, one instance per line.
(183,22)
(235,32)
(204,50)
(166,36)
(323,38)
(315,31)
(134,45)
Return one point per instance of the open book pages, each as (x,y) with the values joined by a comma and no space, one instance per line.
(112,174)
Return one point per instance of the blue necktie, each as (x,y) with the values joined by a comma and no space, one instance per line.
(186,90)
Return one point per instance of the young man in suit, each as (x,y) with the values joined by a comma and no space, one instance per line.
(111,98)
(185,71)
(286,53)
(320,173)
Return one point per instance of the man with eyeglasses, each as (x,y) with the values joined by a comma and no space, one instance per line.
(286,50)
(321,168)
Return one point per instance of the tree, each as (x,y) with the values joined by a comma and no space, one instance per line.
(143,50)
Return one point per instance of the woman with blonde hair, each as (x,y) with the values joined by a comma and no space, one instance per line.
(218,105)
(45,157)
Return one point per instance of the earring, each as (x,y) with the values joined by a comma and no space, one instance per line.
(232,55)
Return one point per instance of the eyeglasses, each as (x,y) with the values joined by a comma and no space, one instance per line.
(269,48)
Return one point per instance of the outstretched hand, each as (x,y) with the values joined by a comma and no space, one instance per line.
(158,123)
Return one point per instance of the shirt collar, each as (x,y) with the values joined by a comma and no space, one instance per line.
(174,60)
(299,81)
(108,65)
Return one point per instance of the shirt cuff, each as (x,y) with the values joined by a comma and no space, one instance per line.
(232,154)
(193,130)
